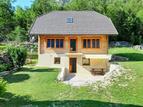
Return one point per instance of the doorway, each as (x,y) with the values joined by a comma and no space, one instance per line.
(72,65)
(72,45)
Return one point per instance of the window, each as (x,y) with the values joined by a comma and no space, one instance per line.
(88,43)
(69,20)
(52,43)
(61,43)
(57,60)
(97,43)
(55,43)
(85,61)
(91,43)
(84,43)
(48,43)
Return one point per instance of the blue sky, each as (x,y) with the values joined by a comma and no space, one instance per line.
(22,3)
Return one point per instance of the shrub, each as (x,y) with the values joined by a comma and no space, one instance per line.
(2,86)
(132,39)
(3,67)
(2,47)
(140,40)
(4,63)
(17,55)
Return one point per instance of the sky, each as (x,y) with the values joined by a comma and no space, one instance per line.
(22,3)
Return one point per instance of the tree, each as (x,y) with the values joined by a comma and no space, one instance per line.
(78,5)
(6,18)
(96,5)
(127,16)
(21,17)
(128,25)
(19,35)
(40,7)
(24,19)
(62,4)
(140,40)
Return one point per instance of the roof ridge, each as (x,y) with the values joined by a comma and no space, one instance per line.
(70,11)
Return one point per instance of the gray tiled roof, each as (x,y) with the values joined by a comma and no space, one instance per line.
(84,22)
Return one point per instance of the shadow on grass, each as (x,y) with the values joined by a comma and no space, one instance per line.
(39,69)
(132,56)
(81,103)
(10,100)
(13,78)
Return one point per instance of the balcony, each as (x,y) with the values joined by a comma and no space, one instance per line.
(74,54)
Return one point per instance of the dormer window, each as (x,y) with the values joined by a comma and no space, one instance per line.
(70,20)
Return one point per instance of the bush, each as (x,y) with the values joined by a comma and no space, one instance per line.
(3,67)
(2,86)
(2,48)
(31,47)
(140,40)
(17,55)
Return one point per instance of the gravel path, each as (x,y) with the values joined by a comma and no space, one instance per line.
(77,80)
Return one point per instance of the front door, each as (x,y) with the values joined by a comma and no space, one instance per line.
(72,45)
(72,65)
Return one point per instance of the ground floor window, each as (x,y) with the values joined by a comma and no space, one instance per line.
(57,60)
(85,61)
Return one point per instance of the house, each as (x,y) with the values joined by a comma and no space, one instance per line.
(75,40)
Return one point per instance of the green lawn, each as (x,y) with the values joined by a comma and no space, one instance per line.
(37,87)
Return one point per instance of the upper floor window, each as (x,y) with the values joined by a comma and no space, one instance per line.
(52,43)
(88,43)
(98,43)
(95,43)
(91,43)
(55,43)
(48,43)
(61,43)
(84,43)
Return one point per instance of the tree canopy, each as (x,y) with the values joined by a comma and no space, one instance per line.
(6,18)
(127,16)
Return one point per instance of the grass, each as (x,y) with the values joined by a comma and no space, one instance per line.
(32,58)
(37,87)
(133,92)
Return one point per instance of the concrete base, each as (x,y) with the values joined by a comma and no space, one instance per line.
(83,80)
